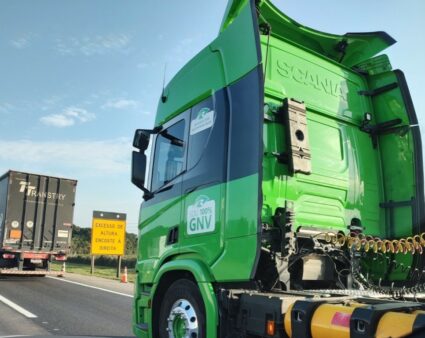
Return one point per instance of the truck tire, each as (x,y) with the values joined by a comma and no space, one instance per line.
(182,312)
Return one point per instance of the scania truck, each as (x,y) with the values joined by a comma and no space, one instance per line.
(285,193)
(36,213)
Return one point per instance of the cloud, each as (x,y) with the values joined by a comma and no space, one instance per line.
(66,157)
(121,104)
(57,120)
(23,41)
(51,102)
(92,45)
(183,50)
(69,117)
(20,43)
(6,108)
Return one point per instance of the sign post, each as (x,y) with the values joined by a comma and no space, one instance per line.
(119,267)
(92,265)
(108,236)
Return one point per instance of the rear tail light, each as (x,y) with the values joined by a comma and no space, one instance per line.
(15,234)
(60,258)
(271,328)
(8,256)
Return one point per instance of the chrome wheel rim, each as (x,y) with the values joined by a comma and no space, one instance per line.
(182,321)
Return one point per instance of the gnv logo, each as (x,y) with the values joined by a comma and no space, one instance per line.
(201,216)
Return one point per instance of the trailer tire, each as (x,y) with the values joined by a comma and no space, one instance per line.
(182,311)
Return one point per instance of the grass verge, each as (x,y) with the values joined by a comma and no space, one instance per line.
(99,271)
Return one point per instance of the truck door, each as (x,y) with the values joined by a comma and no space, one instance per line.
(203,183)
(159,232)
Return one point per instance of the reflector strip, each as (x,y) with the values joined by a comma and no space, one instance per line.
(341,319)
(35,255)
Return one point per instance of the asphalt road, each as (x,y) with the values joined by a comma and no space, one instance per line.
(67,306)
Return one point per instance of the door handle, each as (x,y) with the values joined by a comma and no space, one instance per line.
(173,235)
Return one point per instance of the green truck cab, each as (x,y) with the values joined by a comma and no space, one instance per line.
(285,162)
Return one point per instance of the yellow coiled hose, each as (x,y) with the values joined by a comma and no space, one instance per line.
(366,243)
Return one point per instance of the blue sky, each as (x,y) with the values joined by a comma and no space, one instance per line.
(78,77)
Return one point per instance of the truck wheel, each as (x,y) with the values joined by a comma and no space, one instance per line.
(182,313)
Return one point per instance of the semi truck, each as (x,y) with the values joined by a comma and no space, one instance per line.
(284,196)
(36,213)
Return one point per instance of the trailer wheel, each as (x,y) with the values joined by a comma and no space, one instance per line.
(182,313)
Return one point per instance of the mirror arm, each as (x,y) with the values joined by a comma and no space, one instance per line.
(147,193)
(155,130)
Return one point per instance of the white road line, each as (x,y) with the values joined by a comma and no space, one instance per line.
(17,308)
(90,286)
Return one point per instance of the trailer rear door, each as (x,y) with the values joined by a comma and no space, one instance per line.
(39,212)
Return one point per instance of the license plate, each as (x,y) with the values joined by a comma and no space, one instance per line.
(36,261)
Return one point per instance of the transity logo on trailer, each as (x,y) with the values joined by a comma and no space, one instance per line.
(201,216)
(32,192)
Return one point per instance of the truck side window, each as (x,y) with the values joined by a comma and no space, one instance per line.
(202,122)
(169,155)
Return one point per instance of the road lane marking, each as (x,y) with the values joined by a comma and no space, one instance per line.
(17,308)
(90,286)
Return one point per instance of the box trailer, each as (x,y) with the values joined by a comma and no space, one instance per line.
(36,213)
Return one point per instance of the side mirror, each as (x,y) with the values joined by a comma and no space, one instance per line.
(138,161)
(142,136)
(138,172)
(141,139)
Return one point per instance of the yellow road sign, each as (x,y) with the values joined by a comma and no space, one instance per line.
(108,233)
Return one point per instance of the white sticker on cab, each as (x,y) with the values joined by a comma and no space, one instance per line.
(201,216)
(204,120)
